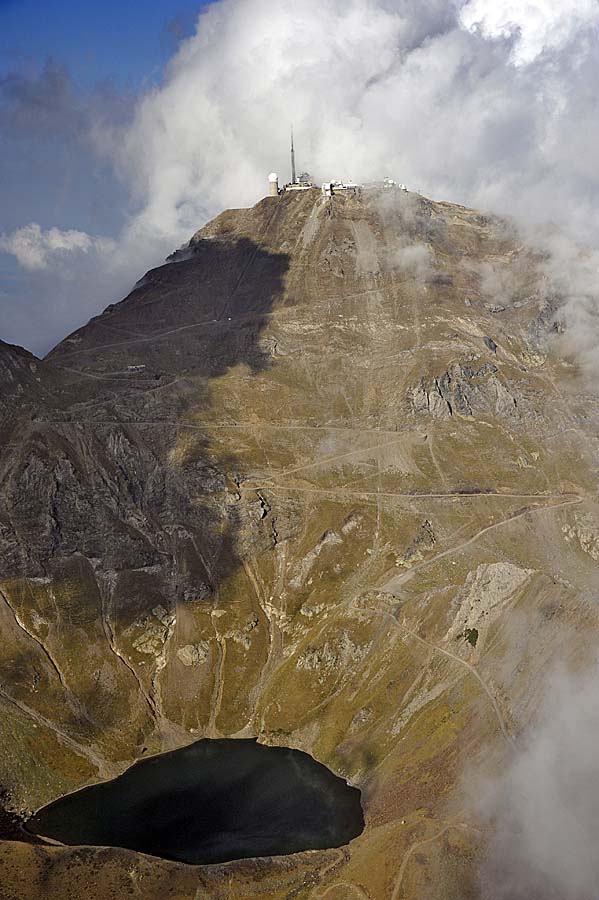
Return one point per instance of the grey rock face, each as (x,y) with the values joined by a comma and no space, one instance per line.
(463,390)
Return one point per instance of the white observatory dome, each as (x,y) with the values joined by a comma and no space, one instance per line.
(273,177)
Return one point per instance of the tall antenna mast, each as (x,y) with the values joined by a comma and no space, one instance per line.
(293,179)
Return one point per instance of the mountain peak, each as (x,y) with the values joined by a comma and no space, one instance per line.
(318,480)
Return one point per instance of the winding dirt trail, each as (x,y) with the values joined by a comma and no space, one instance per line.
(572,500)
(327,460)
(317,893)
(414,848)
(355,888)
(409,495)
(105,769)
(470,668)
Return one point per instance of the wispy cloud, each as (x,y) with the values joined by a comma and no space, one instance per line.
(34,248)
(545,808)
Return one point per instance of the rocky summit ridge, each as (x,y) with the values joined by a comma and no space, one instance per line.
(314,481)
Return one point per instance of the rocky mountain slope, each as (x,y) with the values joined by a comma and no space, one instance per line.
(316,480)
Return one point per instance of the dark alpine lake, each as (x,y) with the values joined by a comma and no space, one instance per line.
(213,801)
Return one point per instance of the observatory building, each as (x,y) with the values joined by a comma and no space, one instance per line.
(273,185)
(304,182)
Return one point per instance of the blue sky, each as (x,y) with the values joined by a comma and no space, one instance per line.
(125,40)
(63,65)
(62,62)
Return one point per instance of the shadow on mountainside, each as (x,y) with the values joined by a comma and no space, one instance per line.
(123,409)
(115,516)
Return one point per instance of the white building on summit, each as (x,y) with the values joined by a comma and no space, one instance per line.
(304,182)
(273,184)
(301,183)
(329,188)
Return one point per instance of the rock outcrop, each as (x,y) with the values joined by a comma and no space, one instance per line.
(464,389)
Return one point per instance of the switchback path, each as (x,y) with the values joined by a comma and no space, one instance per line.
(570,500)
(466,665)
(414,848)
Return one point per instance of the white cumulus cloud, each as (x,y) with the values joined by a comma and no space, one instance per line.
(35,248)
(373,87)
(535,25)
(491,103)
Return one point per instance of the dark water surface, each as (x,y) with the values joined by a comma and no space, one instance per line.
(213,801)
